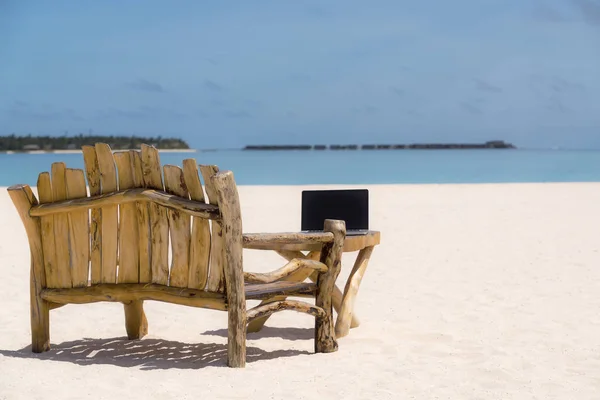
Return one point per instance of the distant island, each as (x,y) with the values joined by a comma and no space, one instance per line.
(492,144)
(52,143)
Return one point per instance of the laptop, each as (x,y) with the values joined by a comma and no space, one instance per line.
(350,205)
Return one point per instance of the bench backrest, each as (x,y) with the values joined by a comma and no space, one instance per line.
(140,223)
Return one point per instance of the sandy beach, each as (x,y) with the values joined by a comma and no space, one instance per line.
(476,292)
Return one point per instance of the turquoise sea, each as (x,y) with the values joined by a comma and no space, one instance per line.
(357,167)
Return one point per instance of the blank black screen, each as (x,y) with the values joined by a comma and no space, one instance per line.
(351,206)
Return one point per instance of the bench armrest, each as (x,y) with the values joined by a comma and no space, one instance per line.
(277,241)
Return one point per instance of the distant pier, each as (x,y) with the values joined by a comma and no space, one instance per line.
(493,144)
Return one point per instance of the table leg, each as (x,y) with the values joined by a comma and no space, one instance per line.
(345,314)
(298,276)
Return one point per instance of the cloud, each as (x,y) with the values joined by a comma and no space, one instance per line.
(556,105)
(486,86)
(413,113)
(544,12)
(143,112)
(237,114)
(561,85)
(552,86)
(471,108)
(318,12)
(145,85)
(27,111)
(299,77)
(398,91)
(590,10)
(213,86)
(364,110)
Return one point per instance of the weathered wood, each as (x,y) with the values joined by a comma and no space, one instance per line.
(127,292)
(78,229)
(265,310)
(200,240)
(229,204)
(136,323)
(289,268)
(145,269)
(129,196)
(351,243)
(272,291)
(141,183)
(344,318)
(297,276)
(61,227)
(93,177)
(23,199)
(217,245)
(276,240)
(331,255)
(179,227)
(44,187)
(110,222)
(159,223)
(336,296)
(128,225)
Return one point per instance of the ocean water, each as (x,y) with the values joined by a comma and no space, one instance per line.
(357,167)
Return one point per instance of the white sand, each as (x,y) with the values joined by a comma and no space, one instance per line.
(477,292)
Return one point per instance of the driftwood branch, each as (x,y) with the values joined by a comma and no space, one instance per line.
(262,291)
(128,292)
(265,310)
(274,241)
(345,318)
(191,207)
(289,268)
(229,204)
(23,199)
(331,255)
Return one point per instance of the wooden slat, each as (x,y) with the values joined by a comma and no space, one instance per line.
(179,226)
(145,269)
(78,229)
(61,226)
(44,188)
(128,225)
(216,280)
(93,177)
(159,223)
(200,240)
(159,197)
(110,222)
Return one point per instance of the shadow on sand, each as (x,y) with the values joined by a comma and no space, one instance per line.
(272,332)
(148,354)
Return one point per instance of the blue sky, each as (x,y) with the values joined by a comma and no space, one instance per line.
(225,74)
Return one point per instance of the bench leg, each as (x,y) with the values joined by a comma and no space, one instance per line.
(136,323)
(346,311)
(40,325)
(236,338)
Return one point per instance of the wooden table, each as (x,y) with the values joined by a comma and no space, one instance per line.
(342,302)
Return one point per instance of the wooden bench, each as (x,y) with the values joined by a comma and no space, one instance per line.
(151,233)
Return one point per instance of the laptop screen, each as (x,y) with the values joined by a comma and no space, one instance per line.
(351,206)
